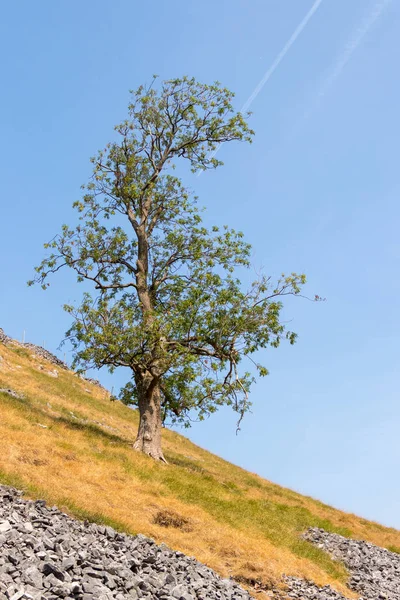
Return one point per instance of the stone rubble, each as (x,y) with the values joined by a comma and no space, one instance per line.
(47,555)
(4,339)
(300,589)
(46,355)
(91,380)
(374,571)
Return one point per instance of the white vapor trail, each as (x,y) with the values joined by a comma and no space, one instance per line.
(352,45)
(299,29)
(268,74)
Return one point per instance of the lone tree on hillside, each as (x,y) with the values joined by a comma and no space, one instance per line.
(167,303)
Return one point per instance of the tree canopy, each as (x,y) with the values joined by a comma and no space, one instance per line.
(167,301)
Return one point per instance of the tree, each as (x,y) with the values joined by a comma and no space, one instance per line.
(168,304)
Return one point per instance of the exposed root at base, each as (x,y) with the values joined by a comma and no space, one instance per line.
(156,455)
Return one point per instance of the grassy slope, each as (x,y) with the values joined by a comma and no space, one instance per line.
(66,442)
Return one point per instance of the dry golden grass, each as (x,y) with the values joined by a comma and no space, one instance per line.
(67,442)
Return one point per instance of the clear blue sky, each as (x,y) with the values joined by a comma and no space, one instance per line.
(317,192)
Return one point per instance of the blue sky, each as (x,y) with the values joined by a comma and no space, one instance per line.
(317,192)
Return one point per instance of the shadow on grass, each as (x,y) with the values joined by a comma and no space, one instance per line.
(36,414)
(186,463)
(91,428)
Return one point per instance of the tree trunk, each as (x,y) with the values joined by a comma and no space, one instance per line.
(150,425)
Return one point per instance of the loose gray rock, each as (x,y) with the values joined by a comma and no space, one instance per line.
(4,339)
(375,571)
(301,589)
(46,355)
(47,555)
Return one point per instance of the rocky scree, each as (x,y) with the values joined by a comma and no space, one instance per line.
(4,339)
(47,555)
(300,589)
(374,571)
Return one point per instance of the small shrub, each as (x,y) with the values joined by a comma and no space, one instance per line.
(169,518)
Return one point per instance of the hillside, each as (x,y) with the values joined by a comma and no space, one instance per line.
(65,441)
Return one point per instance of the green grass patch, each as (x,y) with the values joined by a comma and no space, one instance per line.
(280,523)
(15,481)
(24,352)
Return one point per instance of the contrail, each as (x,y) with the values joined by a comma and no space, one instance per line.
(352,46)
(268,74)
(281,55)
